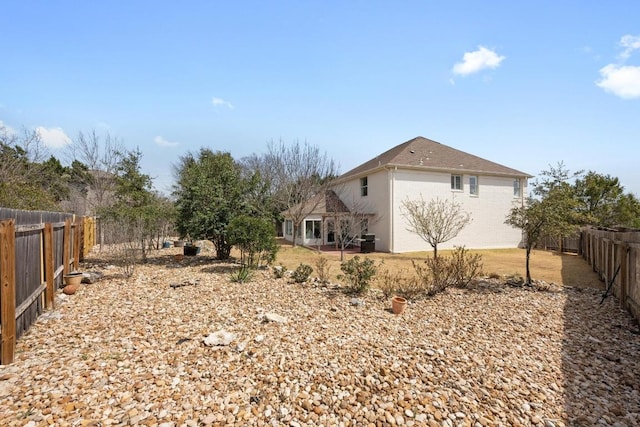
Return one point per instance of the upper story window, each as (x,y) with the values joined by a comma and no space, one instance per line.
(364,187)
(456,182)
(473,185)
(517,190)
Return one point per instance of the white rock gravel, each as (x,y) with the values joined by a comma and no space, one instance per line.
(130,352)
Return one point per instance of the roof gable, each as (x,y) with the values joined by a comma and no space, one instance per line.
(326,203)
(423,153)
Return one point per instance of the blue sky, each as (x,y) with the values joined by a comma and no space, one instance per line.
(522,83)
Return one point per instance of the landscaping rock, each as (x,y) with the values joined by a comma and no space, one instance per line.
(219,338)
(490,355)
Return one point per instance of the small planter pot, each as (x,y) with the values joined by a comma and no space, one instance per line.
(166,245)
(398,304)
(178,243)
(73,279)
(178,257)
(70,289)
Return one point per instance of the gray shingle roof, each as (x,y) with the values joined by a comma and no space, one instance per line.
(423,153)
(329,203)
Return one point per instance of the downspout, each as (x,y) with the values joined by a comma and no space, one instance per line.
(391,196)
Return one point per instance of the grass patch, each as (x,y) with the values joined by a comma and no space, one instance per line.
(552,267)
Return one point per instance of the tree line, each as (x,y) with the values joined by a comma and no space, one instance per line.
(238,202)
(562,201)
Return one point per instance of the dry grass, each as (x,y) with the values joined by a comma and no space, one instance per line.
(561,268)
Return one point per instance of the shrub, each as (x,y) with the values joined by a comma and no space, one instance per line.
(400,283)
(254,237)
(434,275)
(302,273)
(322,269)
(243,275)
(358,273)
(465,268)
(279,271)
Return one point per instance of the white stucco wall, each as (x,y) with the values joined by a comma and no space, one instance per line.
(376,202)
(488,210)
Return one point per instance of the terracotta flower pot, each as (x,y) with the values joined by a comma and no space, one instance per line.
(71,289)
(398,304)
(179,257)
(73,279)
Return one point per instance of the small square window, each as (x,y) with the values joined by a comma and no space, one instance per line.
(473,185)
(456,182)
(364,187)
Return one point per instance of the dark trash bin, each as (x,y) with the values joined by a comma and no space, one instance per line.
(368,243)
(190,250)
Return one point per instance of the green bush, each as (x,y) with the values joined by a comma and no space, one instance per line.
(358,274)
(243,275)
(302,273)
(279,271)
(254,237)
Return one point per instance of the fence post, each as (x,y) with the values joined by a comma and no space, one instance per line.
(66,245)
(624,274)
(49,268)
(77,233)
(7,290)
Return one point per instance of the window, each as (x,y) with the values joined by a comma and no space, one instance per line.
(288,227)
(312,229)
(473,185)
(456,182)
(364,188)
(517,191)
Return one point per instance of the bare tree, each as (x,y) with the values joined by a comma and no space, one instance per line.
(101,156)
(436,221)
(347,224)
(21,154)
(298,173)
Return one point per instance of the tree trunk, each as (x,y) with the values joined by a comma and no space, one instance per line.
(295,230)
(527,265)
(223,249)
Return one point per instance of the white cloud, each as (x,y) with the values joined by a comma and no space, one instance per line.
(164,143)
(53,137)
(217,102)
(478,60)
(620,80)
(629,43)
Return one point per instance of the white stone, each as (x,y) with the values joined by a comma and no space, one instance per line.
(273,317)
(219,338)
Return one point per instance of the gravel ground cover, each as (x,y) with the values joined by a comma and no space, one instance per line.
(131,352)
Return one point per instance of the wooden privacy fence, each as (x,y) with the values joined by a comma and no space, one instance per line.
(564,244)
(36,250)
(615,256)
